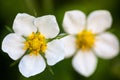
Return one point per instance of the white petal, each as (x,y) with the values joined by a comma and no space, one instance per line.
(69,45)
(85,63)
(13,45)
(106,45)
(47,25)
(98,21)
(31,65)
(74,21)
(23,24)
(54,52)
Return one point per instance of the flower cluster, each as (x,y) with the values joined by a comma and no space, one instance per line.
(35,41)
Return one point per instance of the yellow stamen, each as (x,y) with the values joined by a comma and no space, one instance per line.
(85,40)
(35,43)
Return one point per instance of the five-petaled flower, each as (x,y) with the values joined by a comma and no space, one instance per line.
(88,39)
(31,36)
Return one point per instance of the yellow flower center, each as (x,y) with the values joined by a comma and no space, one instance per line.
(35,43)
(85,40)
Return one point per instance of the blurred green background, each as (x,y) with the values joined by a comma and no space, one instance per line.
(106,69)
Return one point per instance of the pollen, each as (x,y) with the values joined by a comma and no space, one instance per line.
(85,40)
(35,43)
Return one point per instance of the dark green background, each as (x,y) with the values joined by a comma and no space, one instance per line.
(106,69)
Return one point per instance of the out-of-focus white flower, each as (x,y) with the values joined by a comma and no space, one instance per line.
(31,36)
(88,39)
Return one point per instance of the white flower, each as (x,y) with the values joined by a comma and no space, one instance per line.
(88,39)
(31,36)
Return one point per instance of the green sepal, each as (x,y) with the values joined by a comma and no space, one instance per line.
(57,37)
(8,28)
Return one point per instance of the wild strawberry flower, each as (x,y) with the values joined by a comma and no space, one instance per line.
(30,36)
(88,38)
